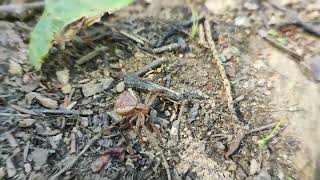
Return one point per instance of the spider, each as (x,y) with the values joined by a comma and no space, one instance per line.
(128,105)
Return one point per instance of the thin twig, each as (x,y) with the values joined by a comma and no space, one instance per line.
(73,161)
(23,110)
(144,85)
(274,43)
(86,112)
(217,60)
(132,37)
(154,64)
(91,55)
(181,44)
(262,128)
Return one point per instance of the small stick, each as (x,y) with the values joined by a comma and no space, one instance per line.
(64,111)
(154,64)
(132,37)
(23,110)
(274,43)
(73,161)
(26,151)
(269,126)
(181,44)
(222,72)
(73,145)
(144,85)
(91,55)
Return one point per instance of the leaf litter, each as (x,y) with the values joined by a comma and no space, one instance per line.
(202,124)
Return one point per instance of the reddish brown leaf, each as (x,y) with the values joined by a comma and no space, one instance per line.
(99,163)
(234,145)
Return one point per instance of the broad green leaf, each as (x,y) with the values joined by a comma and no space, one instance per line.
(58,14)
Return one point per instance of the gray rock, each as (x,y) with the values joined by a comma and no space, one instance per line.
(116,118)
(242,21)
(254,167)
(251,5)
(24,123)
(39,157)
(263,175)
(90,89)
(120,87)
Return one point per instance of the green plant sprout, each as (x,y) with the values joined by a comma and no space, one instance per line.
(195,24)
(263,142)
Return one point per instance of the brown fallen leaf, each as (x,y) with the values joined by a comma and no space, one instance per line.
(234,145)
(103,160)
(99,163)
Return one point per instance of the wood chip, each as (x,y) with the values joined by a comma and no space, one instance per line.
(11,169)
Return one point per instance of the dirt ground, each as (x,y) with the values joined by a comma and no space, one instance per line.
(239,100)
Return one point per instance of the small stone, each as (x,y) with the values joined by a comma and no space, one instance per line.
(11,170)
(230,52)
(63,76)
(254,167)
(39,157)
(251,5)
(15,69)
(232,166)
(24,123)
(66,89)
(242,21)
(84,121)
(175,128)
(27,168)
(2,173)
(90,89)
(263,175)
(116,118)
(120,87)
(167,113)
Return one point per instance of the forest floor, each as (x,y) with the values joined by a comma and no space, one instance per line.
(235,97)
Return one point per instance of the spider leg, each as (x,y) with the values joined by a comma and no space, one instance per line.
(133,118)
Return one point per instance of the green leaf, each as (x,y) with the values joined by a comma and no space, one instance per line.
(58,14)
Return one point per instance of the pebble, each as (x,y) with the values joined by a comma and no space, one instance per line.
(84,121)
(114,117)
(251,5)
(63,76)
(230,52)
(263,175)
(254,167)
(11,170)
(66,89)
(120,87)
(39,157)
(175,128)
(167,113)
(2,173)
(27,168)
(232,166)
(90,89)
(242,21)
(24,123)
(15,69)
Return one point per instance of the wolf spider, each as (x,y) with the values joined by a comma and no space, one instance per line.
(128,105)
